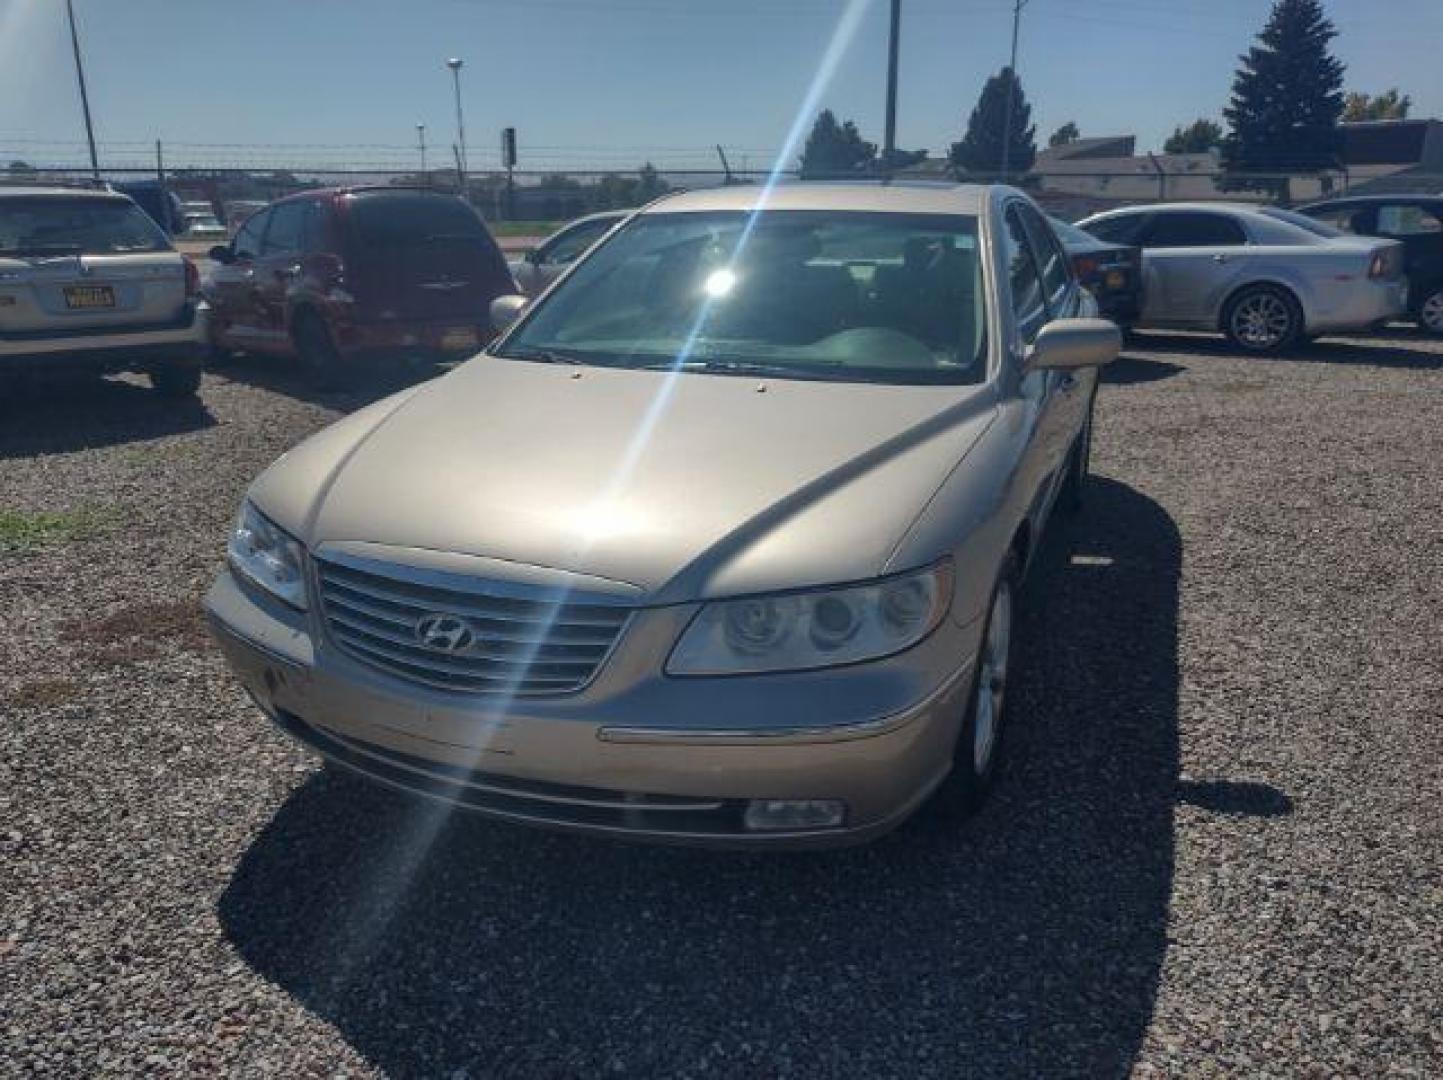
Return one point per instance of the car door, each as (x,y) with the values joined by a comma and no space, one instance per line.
(1419,228)
(277,269)
(1192,259)
(230,288)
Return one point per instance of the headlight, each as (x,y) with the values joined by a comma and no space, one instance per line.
(797,631)
(267,557)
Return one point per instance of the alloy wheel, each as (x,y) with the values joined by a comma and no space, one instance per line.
(992,680)
(1430,314)
(1262,320)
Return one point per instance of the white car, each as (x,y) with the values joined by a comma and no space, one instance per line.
(546,262)
(205,227)
(88,281)
(1254,274)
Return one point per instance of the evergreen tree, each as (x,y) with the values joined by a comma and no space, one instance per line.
(980,150)
(1065,134)
(1389,106)
(835,149)
(1287,99)
(1197,138)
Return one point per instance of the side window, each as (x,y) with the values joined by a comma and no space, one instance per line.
(315,236)
(571,245)
(1119,229)
(1189,230)
(1022,276)
(284,234)
(248,239)
(1408,221)
(1050,260)
(1350,219)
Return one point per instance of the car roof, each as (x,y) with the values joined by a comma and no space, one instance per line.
(1371,200)
(30,191)
(885,197)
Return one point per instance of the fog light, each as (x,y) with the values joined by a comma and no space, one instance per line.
(773,814)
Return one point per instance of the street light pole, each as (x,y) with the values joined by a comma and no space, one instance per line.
(84,97)
(1017,6)
(889,148)
(462,168)
(421,142)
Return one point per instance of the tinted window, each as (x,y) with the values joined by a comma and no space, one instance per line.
(1185,230)
(1292,217)
(382,219)
(1408,221)
(287,223)
(834,295)
(314,234)
(1050,260)
(573,243)
(76,226)
(1118,229)
(248,241)
(1023,277)
(1348,219)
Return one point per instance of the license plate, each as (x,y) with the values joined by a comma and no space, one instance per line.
(1114,279)
(89,296)
(460,337)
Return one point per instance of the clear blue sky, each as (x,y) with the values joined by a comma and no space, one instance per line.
(617,81)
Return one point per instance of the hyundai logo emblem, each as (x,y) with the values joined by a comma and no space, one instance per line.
(444,633)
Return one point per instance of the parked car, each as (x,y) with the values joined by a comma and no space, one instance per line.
(332,276)
(162,204)
(546,262)
(1111,272)
(238,210)
(720,543)
(1416,222)
(89,282)
(1264,282)
(204,227)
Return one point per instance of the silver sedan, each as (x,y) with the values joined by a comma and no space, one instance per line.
(1257,274)
(721,542)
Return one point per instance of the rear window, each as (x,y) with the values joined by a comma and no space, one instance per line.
(408,218)
(1302,221)
(60,225)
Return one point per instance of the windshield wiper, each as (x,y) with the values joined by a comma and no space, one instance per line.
(544,356)
(740,367)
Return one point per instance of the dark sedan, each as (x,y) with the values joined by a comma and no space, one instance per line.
(1111,272)
(1415,221)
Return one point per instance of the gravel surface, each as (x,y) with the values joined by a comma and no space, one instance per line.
(1215,848)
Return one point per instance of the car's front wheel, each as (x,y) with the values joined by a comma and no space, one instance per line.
(979,744)
(1430,311)
(1263,319)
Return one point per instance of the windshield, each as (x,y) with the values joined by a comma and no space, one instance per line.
(60,225)
(848,296)
(1302,221)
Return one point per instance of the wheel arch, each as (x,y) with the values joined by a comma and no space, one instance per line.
(1275,282)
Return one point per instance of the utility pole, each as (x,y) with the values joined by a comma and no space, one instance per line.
(455,65)
(1017,6)
(726,168)
(421,142)
(84,97)
(889,147)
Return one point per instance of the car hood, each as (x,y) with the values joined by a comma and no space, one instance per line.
(682,486)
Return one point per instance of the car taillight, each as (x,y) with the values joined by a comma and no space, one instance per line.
(192,278)
(1381,265)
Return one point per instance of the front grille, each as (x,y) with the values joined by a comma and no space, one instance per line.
(520,643)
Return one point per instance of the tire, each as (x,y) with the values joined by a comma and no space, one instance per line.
(981,740)
(1263,319)
(1079,465)
(319,356)
(176,380)
(1430,311)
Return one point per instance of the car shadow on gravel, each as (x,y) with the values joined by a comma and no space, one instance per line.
(1127,370)
(366,383)
(55,416)
(1026,942)
(1394,347)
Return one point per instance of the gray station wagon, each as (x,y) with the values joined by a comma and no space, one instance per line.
(719,542)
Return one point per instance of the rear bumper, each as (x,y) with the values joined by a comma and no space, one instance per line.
(1363,305)
(451,338)
(110,348)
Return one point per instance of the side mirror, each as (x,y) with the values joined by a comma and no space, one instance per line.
(505,310)
(1074,343)
(222,254)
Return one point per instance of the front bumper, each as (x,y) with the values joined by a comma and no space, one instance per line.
(635,754)
(132,348)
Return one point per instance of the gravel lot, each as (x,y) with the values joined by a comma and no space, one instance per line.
(1217,848)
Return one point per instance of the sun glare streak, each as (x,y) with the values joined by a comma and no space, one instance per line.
(412,844)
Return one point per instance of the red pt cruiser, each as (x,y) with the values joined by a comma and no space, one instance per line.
(334,275)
